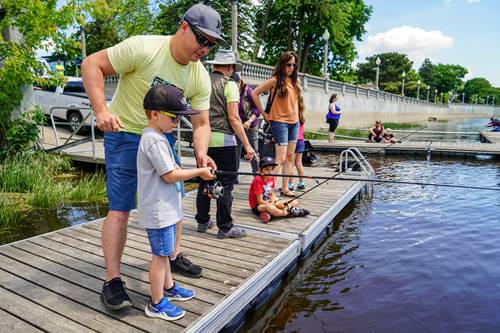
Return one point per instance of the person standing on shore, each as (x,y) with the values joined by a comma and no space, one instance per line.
(142,62)
(333,117)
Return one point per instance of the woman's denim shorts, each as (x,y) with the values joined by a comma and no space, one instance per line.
(300,147)
(162,241)
(284,133)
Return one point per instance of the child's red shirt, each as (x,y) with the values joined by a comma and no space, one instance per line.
(260,187)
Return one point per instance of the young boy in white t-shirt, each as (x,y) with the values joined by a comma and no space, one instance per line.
(159,196)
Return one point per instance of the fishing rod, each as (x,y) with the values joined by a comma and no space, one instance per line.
(372,180)
(355,164)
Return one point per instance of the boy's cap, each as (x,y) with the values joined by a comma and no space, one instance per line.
(207,20)
(164,97)
(266,161)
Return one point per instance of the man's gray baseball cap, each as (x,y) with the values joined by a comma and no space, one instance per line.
(207,20)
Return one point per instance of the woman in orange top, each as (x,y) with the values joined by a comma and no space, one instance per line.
(284,113)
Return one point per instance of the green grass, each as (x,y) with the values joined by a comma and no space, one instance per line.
(24,172)
(358,133)
(90,188)
(39,180)
(396,126)
(8,213)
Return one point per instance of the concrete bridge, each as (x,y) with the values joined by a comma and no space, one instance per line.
(361,106)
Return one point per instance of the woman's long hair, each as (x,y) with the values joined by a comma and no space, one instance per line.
(280,73)
(302,118)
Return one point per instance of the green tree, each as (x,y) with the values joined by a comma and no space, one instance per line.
(115,20)
(298,25)
(448,78)
(475,87)
(392,65)
(37,21)
(171,13)
(443,77)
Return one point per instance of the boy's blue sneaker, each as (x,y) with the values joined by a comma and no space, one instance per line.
(301,187)
(177,293)
(291,187)
(164,310)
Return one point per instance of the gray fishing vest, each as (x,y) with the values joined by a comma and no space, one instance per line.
(219,121)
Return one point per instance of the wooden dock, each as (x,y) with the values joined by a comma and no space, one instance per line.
(490,137)
(407,147)
(51,283)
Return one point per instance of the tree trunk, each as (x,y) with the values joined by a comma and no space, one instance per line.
(261,31)
(305,53)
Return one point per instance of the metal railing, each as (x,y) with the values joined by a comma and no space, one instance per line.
(258,73)
(68,144)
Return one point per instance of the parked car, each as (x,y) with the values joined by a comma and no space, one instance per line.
(69,103)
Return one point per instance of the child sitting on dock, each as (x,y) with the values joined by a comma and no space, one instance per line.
(262,199)
(159,196)
(388,137)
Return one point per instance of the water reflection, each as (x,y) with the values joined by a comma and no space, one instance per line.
(40,221)
(413,259)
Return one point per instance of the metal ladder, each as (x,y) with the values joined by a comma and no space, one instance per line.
(353,154)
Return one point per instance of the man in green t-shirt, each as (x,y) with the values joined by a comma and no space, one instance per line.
(143,61)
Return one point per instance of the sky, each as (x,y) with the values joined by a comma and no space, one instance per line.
(461,32)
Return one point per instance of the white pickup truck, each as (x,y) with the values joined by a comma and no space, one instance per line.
(71,103)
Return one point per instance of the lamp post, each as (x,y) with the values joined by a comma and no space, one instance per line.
(493,102)
(487,97)
(418,89)
(403,75)
(377,70)
(234,28)
(435,95)
(326,37)
(428,91)
(463,98)
(441,97)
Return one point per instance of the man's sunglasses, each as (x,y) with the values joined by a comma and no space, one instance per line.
(292,65)
(202,40)
(176,117)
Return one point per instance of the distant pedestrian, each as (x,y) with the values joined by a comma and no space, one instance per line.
(284,87)
(333,117)
(376,132)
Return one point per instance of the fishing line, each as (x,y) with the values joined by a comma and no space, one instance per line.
(371,180)
(364,159)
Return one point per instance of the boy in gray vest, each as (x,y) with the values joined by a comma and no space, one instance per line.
(226,124)
(159,195)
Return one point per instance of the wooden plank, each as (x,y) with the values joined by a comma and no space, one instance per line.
(69,284)
(59,307)
(207,295)
(136,286)
(128,268)
(36,314)
(143,241)
(144,251)
(12,324)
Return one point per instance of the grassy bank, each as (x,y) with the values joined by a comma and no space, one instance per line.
(39,180)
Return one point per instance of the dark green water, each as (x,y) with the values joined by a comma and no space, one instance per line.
(411,259)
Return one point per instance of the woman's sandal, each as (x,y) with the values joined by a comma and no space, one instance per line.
(287,194)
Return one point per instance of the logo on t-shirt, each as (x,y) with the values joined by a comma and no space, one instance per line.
(158,80)
(268,190)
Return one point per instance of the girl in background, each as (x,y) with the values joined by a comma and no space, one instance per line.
(299,150)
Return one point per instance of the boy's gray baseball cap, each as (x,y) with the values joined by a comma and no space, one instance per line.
(164,97)
(207,20)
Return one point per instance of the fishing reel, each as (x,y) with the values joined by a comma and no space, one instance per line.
(215,190)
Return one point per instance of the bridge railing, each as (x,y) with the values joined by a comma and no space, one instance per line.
(258,73)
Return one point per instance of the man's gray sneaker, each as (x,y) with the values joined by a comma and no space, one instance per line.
(234,232)
(203,227)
